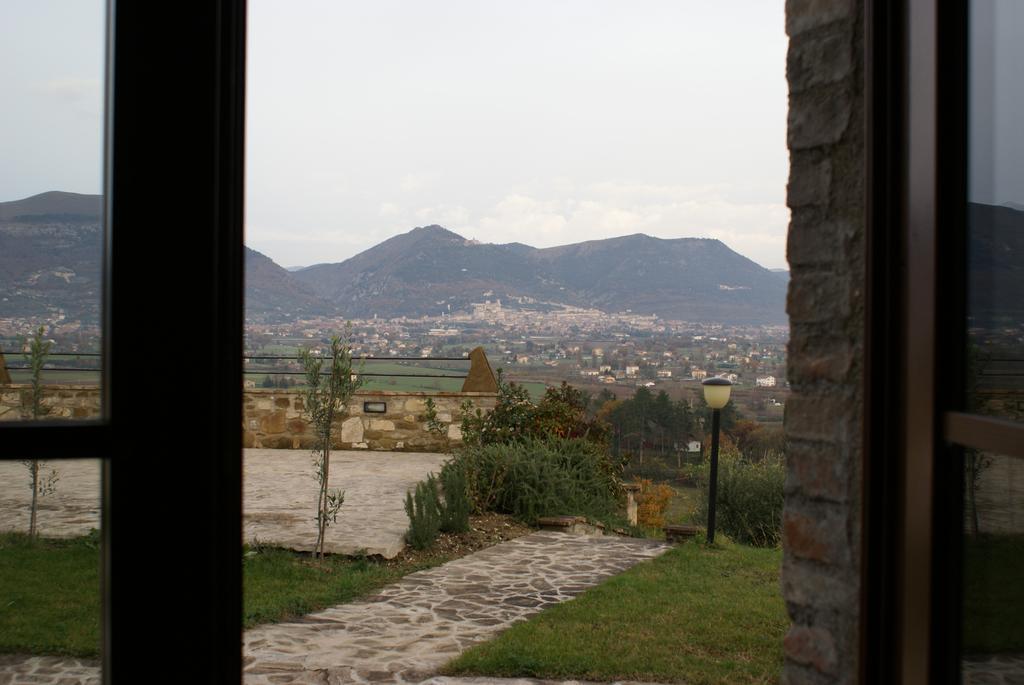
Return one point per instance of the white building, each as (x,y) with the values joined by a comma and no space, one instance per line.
(765,382)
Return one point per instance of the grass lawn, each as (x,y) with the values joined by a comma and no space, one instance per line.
(682,508)
(695,614)
(49,595)
(50,590)
(281,585)
(993,594)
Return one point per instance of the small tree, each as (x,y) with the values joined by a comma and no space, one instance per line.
(325,396)
(42,483)
(435,425)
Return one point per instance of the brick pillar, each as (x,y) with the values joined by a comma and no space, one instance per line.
(821,523)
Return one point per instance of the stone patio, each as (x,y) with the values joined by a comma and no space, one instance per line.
(410,629)
(280,498)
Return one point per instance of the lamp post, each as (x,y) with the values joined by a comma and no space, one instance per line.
(716,394)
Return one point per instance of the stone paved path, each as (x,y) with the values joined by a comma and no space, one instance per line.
(48,670)
(1006,669)
(69,511)
(280,498)
(410,629)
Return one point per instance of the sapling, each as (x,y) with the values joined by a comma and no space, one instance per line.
(41,481)
(327,393)
(435,425)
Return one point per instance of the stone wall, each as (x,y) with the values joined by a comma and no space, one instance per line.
(60,401)
(821,522)
(273,418)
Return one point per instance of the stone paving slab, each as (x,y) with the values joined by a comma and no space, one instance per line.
(413,627)
(445,680)
(280,498)
(70,511)
(1002,669)
(48,670)
(279,505)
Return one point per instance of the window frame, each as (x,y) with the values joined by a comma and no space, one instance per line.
(171,512)
(915,424)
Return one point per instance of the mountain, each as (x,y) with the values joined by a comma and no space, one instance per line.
(51,251)
(271,289)
(995,265)
(430,269)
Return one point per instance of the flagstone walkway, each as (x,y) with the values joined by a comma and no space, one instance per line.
(413,627)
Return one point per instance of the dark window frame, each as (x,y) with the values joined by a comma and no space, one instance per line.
(173,258)
(915,424)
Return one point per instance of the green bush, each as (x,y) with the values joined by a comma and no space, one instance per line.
(750,497)
(561,413)
(455,514)
(424,510)
(533,478)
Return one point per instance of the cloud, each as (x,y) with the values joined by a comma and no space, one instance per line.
(604,210)
(73,90)
(414,183)
(544,214)
(455,217)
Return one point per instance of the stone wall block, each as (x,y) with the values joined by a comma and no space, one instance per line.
(352,430)
(817,535)
(818,117)
(815,358)
(820,243)
(810,179)
(819,59)
(274,422)
(806,587)
(817,297)
(817,471)
(805,15)
(811,646)
(815,418)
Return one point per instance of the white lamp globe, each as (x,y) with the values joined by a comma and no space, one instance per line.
(716,392)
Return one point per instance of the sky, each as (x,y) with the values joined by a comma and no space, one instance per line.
(538,121)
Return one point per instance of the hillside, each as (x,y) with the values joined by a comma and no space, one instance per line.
(430,269)
(51,251)
(272,290)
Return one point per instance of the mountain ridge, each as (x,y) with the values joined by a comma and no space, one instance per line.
(431,269)
(56,238)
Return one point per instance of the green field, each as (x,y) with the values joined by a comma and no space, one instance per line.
(697,615)
(83,377)
(405,383)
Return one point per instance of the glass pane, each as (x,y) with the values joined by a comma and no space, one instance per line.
(995,246)
(993,634)
(50,572)
(51,230)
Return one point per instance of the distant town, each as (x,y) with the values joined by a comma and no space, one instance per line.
(587,348)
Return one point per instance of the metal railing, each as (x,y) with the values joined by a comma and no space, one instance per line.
(22,366)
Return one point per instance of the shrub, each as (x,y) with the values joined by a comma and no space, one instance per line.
(424,510)
(534,478)
(750,497)
(652,502)
(561,413)
(455,514)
